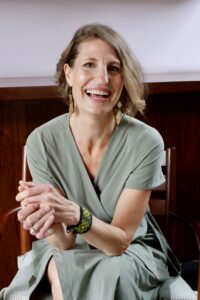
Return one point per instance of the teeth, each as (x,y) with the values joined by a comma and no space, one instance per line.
(97,92)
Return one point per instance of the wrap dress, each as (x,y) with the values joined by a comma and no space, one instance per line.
(132,160)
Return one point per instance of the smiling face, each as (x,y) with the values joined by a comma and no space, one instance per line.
(95,78)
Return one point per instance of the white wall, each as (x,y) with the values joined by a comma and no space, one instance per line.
(164,34)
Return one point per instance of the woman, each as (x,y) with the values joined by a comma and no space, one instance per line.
(93,171)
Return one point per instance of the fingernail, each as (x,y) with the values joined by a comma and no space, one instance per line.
(26,226)
(22,195)
(47,233)
(52,217)
(39,236)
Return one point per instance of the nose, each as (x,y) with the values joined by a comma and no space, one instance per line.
(101,76)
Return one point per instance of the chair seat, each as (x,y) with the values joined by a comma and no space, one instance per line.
(176,289)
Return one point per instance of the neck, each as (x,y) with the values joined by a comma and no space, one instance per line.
(91,131)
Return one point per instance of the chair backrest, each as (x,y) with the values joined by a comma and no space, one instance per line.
(163,198)
(25,237)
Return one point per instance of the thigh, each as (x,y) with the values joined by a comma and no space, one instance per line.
(136,280)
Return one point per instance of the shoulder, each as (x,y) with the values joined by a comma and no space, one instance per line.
(49,131)
(140,132)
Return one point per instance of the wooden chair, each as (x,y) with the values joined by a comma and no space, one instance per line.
(163,198)
(179,228)
(25,238)
(163,207)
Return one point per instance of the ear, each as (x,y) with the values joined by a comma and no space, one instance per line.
(68,74)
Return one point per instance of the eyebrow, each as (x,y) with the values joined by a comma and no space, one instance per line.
(117,61)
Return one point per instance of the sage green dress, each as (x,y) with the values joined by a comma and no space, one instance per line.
(132,160)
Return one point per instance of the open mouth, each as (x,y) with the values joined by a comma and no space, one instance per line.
(98,94)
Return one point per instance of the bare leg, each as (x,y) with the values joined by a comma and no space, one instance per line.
(52,275)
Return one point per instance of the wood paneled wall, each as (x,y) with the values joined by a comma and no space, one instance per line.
(17,119)
(173,108)
(177,117)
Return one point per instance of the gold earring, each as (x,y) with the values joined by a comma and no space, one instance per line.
(118,115)
(71,102)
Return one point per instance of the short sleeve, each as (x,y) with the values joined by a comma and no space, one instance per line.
(148,174)
(37,160)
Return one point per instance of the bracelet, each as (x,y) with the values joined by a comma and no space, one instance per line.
(84,223)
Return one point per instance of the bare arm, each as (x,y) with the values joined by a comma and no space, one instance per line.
(112,239)
(41,216)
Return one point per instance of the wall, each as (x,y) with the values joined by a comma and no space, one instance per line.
(163,34)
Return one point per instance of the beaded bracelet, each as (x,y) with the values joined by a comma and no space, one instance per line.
(84,223)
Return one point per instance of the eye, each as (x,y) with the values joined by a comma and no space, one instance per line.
(88,65)
(114,69)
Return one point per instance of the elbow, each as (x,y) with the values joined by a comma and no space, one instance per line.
(118,250)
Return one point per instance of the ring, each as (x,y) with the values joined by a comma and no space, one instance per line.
(35,230)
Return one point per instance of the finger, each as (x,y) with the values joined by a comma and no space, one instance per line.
(26,183)
(34,190)
(24,203)
(22,187)
(43,199)
(40,223)
(39,200)
(46,228)
(23,193)
(49,232)
(25,211)
(34,217)
(33,231)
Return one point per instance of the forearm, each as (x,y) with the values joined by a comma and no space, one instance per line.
(114,238)
(61,239)
(108,238)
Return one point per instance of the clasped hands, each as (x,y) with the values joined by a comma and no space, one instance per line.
(44,210)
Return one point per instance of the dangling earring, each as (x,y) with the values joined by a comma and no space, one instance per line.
(118,115)
(71,102)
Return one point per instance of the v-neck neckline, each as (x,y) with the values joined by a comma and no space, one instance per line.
(93,181)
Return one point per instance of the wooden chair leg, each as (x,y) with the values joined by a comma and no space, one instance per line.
(199,282)
(25,237)
(25,240)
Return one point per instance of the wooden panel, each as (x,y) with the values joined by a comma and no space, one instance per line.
(51,91)
(29,93)
(177,117)
(174,87)
(157,206)
(17,120)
